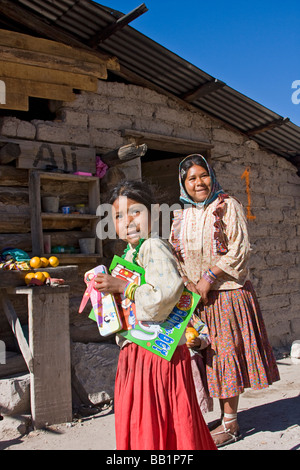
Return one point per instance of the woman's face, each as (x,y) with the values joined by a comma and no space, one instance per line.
(197,183)
(132,220)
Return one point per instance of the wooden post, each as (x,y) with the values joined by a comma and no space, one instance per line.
(49,340)
(35,209)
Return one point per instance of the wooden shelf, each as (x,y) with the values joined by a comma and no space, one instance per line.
(10,279)
(60,216)
(43,221)
(77,258)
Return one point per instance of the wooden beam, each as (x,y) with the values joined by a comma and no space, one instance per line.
(16,328)
(165,143)
(45,75)
(36,209)
(124,154)
(26,88)
(53,62)
(24,42)
(29,20)
(203,90)
(266,127)
(105,33)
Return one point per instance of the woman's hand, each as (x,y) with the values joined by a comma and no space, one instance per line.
(203,287)
(109,284)
(191,286)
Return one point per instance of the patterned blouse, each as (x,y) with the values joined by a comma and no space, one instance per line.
(212,236)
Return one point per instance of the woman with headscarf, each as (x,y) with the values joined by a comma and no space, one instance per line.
(211,244)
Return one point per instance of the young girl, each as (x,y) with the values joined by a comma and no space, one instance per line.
(210,239)
(155,401)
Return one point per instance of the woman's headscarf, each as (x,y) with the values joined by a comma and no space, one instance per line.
(215,186)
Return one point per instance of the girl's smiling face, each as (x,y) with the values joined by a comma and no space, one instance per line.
(132,220)
(197,183)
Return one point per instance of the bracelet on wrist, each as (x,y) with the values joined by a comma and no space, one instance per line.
(129,291)
(213,275)
(208,277)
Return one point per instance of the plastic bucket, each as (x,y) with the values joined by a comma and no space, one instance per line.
(50,203)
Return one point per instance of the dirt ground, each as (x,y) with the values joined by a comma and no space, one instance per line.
(269,420)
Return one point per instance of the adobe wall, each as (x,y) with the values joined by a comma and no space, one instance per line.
(97,120)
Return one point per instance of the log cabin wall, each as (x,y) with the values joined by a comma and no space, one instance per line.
(115,114)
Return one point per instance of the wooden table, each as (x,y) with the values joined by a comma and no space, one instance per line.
(47,355)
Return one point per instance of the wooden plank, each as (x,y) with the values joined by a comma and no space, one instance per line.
(54,62)
(16,328)
(12,279)
(15,101)
(45,75)
(51,91)
(67,177)
(34,23)
(10,176)
(12,224)
(29,43)
(49,339)
(38,155)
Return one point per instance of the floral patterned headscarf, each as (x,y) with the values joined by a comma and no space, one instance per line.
(215,186)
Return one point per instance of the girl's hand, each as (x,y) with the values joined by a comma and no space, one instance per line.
(194,343)
(203,287)
(109,284)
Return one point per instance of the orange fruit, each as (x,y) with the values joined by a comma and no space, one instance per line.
(44,262)
(28,278)
(47,275)
(191,333)
(40,276)
(53,261)
(35,262)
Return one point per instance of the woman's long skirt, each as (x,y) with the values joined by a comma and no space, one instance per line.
(240,355)
(156,406)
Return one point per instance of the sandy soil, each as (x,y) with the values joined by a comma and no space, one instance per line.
(269,420)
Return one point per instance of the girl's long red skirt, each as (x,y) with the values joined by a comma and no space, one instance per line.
(156,406)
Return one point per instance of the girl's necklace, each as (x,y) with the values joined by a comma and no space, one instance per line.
(136,251)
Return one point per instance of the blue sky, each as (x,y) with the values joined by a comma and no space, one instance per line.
(254,47)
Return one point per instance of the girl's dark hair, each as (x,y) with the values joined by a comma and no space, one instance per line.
(191,160)
(137,190)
